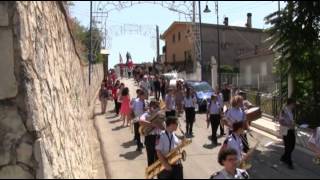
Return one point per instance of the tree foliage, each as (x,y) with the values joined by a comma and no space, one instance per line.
(295,35)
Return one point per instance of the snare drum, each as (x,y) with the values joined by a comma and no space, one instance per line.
(253,114)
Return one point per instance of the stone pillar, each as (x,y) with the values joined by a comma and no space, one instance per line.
(214,72)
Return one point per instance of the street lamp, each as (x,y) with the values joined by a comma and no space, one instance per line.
(207,10)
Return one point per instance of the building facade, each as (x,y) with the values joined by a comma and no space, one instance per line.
(256,70)
(234,41)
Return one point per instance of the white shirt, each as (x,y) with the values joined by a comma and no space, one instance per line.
(170,103)
(167,142)
(235,115)
(220,99)
(223,174)
(138,107)
(235,142)
(315,138)
(189,102)
(214,108)
(144,117)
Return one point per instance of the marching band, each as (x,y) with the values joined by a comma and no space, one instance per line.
(158,121)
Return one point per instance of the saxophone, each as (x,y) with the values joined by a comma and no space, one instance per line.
(172,157)
(244,163)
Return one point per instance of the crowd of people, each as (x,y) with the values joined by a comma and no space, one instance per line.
(225,110)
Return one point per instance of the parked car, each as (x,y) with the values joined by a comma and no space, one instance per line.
(203,91)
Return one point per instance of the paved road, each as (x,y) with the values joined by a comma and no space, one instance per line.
(124,162)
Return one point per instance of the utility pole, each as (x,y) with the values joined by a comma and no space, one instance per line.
(218,32)
(158,45)
(201,57)
(193,11)
(90,48)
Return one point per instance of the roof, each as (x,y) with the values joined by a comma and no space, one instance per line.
(214,26)
(260,52)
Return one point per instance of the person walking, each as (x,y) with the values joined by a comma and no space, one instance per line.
(213,117)
(189,102)
(125,110)
(157,87)
(115,90)
(103,97)
(221,104)
(287,130)
(163,88)
(179,96)
(138,108)
(170,103)
(119,100)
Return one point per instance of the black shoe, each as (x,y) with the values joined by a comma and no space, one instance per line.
(139,149)
(290,166)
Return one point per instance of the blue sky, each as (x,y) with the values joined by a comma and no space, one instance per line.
(142,47)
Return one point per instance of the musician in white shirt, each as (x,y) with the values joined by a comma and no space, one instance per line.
(213,117)
(221,103)
(151,138)
(236,114)
(287,127)
(138,108)
(189,103)
(170,103)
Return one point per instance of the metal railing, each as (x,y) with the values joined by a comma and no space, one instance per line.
(270,104)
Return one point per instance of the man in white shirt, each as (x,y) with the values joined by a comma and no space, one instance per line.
(170,103)
(138,108)
(287,128)
(167,142)
(150,139)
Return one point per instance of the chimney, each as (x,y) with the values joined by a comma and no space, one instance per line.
(249,23)
(226,21)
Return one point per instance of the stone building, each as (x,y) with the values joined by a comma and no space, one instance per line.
(234,41)
(256,70)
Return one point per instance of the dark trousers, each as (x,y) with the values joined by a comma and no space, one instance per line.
(221,127)
(137,136)
(129,74)
(150,143)
(163,94)
(176,173)
(215,122)
(118,106)
(157,94)
(190,118)
(170,113)
(289,144)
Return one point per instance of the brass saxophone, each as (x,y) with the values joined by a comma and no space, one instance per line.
(244,163)
(173,157)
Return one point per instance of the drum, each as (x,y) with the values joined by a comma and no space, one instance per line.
(253,114)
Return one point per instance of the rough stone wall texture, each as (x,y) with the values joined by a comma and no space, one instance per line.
(45,101)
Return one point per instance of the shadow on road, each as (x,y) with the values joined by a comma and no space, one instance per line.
(118,128)
(115,121)
(131,155)
(128,144)
(210,146)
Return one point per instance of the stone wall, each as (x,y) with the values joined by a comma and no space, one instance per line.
(45,99)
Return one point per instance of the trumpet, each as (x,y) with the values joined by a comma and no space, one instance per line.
(244,163)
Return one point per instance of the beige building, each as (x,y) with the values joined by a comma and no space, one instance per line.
(234,41)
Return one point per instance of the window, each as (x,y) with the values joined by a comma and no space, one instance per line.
(248,74)
(264,69)
(179,36)
(174,38)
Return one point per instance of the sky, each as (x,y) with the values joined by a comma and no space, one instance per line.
(142,47)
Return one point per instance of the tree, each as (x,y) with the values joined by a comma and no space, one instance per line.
(295,35)
(82,38)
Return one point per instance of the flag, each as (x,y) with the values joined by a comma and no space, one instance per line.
(120,58)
